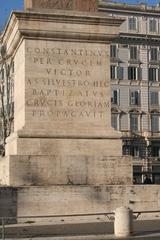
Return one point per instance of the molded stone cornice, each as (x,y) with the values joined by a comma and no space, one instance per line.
(59,25)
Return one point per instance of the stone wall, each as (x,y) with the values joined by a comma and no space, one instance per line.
(52,200)
(8,202)
(85,199)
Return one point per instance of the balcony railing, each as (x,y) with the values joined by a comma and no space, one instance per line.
(150,159)
(131,134)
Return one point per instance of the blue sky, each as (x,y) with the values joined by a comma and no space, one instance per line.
(150,2)
(6,6)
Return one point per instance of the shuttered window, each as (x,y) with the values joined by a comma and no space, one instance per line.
(113,51)
(134,73)
(154,123)
(133,53)
(133,122)
(114,120)
(115,96)
(154,98)
(132,23)
(153,54)
(135,97)
(113,70)
(116,72)
(153,25)
(153,74)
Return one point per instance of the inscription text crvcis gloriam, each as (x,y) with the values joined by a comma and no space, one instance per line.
(67,84)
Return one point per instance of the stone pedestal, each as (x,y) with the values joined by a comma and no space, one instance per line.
(62,126)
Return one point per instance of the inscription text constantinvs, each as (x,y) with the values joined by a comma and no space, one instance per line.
(67,84)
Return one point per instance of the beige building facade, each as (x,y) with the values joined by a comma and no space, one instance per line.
(135,83)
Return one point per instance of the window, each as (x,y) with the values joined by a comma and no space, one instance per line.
(120,73)
(153,74)
(134,97)
(113,72)
(134,122)
(135,151)
(115,97)
(152,25)
(153,54)
(155,151)
(134,73)
(116,72)
(126,150)
(113,51)
(132,23)
(154,122)
(154,98)
(114,120)
(133,53)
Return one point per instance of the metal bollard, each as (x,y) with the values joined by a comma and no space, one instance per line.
(123,224)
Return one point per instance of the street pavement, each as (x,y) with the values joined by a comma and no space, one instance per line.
(93,237)
(71,229)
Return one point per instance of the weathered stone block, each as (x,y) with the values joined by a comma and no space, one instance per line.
(78,5)
(87,199)
(66,168)
(8,204)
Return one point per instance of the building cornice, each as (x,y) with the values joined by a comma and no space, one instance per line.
(142,39)
(129,9)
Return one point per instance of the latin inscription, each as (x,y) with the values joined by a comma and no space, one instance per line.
(65,83)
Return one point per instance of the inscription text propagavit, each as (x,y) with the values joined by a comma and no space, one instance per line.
(65,83)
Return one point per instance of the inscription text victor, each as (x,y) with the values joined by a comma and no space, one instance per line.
(67,83)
